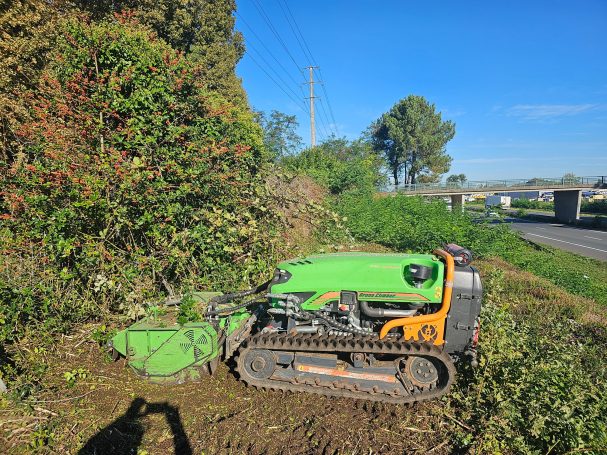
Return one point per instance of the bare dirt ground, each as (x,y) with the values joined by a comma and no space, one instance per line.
(111,411)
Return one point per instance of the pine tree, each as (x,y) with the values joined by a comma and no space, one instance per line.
(412,137)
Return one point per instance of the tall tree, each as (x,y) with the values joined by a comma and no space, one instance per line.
(279,133)
(412,137)
(457,178)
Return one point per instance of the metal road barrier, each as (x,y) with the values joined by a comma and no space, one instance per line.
(503,185)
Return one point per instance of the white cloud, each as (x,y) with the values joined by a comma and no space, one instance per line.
(488,160)
(452,113)
(548,111)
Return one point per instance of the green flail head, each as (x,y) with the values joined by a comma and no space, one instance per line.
(162,349)
(159,352)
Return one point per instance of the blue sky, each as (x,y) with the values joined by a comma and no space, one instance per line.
(524,81)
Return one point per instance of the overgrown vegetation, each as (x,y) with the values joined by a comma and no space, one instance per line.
(201,29)
(279,135)
(598,206)
(340,165)
(529,204)
(540,384)
(133,180)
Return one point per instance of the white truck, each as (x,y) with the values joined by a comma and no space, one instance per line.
(498,201)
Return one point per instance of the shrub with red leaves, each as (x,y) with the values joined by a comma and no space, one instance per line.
(133,180)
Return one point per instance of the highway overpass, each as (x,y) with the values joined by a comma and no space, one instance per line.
(567,191)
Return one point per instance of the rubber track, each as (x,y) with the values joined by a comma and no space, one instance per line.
(345,344)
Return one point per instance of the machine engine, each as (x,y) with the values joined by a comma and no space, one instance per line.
(357,293)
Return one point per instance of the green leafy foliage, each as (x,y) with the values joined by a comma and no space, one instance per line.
(103,334)
(73,376)
(340,165)
(414,224)
(133,179)
(457,179)
(28,30)
(41,437)
(202,29)
(528,204)
(279,133)
(187,310)
(539,387)
(598,206)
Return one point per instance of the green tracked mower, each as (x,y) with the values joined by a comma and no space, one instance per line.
(383,327)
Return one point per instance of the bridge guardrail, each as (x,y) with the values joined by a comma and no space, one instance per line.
(505,185)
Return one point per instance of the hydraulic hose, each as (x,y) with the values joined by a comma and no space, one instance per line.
(441,314)
(225,298)
(343,327)
(229,297)
(338,325)
(232,309)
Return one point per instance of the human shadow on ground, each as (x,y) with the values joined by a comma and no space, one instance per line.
(124,435)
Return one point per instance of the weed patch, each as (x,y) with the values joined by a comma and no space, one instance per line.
(540,385)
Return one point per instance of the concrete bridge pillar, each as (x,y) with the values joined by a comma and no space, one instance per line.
(457,200)
(567,205)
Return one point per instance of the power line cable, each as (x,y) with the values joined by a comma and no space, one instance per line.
(276,34)
(286,86)
(328,101)
(297,102)
(307,56)
(323,119)
(330,126)
(266,48)
(300,34)
(306,51)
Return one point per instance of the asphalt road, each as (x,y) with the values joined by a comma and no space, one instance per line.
(585,242)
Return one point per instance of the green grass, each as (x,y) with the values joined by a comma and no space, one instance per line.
(540,387)
(580,275)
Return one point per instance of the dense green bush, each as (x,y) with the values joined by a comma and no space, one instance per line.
(540,384)
(599,206)
(527,204)
(417,224)
(339,165)
(132,180)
